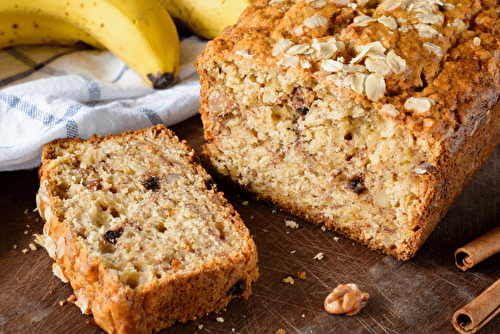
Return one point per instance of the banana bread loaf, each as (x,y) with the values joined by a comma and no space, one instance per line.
(368,117)
(140,231)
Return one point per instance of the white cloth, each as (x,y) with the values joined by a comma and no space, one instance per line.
(56,92)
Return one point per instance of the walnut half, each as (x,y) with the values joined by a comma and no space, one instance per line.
(346,299)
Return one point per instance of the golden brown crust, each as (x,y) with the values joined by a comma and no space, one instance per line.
(441,88)
(117,307)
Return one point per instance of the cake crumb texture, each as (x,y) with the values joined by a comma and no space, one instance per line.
(366,117)
(140,231)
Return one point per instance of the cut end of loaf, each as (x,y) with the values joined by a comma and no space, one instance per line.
(325,158)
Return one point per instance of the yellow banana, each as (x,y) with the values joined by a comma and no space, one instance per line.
(29,29)
(206,18)
(140,32)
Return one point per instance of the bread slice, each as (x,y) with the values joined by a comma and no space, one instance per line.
(140,231)
(367,117)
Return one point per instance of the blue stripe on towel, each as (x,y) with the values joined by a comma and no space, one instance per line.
(71,125)
(94,91)
(71,129)
(120,75)
(152,116)
(28,109)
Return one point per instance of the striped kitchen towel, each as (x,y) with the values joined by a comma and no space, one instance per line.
(55,92)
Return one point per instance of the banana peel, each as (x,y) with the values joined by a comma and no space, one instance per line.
(206,18)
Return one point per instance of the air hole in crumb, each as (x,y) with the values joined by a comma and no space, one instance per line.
(161,228)
(349,157)
(253,133)
(114,213)
(348,136)
(132,282)
(237,289)
(152,184)
(424,84)
(81,235)
(416,228)
(113,190)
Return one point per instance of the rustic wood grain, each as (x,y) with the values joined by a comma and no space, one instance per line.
(417,296)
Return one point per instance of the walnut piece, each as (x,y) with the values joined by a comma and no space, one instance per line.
(346,299)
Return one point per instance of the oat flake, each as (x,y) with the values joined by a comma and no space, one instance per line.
(319,4)
(315,21)
(389,5)
(326,50)
(434,48)
(389,110)
(426,31)
(448,6)
(458,24)
(355,81)
(282,46)
(288,61)
(244,53)
(377,65)
(434,19)
(388,21)
(299,49)
(419,104)
(331,65)
(396,63)
(363,20)
(375,87)
(375,47)
(341,2)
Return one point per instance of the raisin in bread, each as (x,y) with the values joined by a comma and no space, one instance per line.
(140,231)
(368,117)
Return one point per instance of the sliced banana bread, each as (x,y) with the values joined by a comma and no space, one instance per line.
(140,231)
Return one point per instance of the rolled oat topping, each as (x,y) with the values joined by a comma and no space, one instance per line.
(375,87)
(315,21)
(282,46)
(434,48)
(421,104)
(426,31)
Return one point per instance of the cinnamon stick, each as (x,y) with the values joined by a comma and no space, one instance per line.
(477,313)
(478,250)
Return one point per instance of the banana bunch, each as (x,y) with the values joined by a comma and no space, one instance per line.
(206,18)
(139,32)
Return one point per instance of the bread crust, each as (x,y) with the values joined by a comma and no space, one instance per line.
(119,308)
(451,60)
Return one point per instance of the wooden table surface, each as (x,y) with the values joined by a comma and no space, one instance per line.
(417,296)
